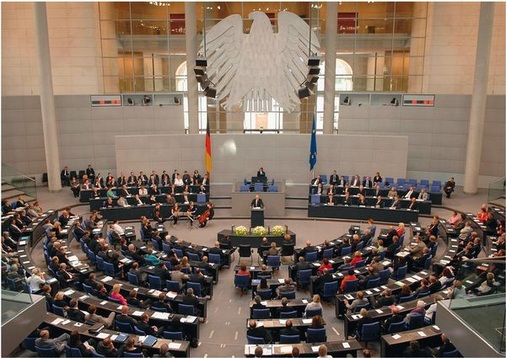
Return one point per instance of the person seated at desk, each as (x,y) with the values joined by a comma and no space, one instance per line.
(364,319)
(404,292)
(423,195)
(483,213)
(394,318)
(260,332)
(65,276)
(314,304)
(379,202)
(392,192)
(36,280)
(162,304)
(363,280)
(361,200)
(355,181)
(258,303)
(320,282)
(349,277)
(325,265)
(367,182)
(57,344)
(273,250)
(122,180)
(361,190)
(414,350)
(137,200)
(346,200)
(190,299)
(75,187)
(132,300)
(130,347)
(384,299)
(289,330)
(308,248)
(410,194)
(191,211)
(358,301)
(413,204)
(284,307)
(396,203)
(143,325)
(316,181)
(74,313)
(286,287)
(446,347)
(318,190)
(341,181)
(257,202)
(302,264)
(449,187)
(357,256)
(93,316)
(107,348)
(263,285)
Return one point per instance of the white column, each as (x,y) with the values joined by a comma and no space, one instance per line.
(191,56)
(330,68)
(49,126)
(479,98)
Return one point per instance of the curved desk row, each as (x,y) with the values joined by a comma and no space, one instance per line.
(254,240)
(100,202)
(362,213)
(135,212)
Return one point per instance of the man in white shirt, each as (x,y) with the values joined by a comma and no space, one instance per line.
(117,228)
(410,193)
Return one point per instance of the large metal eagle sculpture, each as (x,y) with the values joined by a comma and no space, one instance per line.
(250,69)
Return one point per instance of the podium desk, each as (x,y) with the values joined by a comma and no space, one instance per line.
(257,217)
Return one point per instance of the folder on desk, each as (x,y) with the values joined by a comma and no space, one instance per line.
(150,341)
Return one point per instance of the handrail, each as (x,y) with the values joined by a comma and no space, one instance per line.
(6,169)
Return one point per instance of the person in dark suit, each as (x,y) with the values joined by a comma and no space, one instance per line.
(384,299)
(57,344)
(90,173)
(346,200)
(289,330)
(65,176)
(307,248)
(75,313)
(394,318)
(162,271)
(320,281)
(316,181)
(367,182)
(106,348)
(260,332)
(124,317)
(261,173)
(161,304)
(446,347)
(331,200)
(413,205)
(143,325)
(257,202)
(449,187)
(390,250)
(396,204)
(333,178)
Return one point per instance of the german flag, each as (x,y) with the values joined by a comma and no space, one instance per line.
(209,158)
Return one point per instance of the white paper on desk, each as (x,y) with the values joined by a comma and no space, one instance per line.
(65,322)
(73,258)
(119,307)
(349,297)
(315,348)
(259,323)
(160,315)
(355,316)
(264,303)
(422,333)
(436,327)
(103,302)
(379,311)
(171,294)
(57,321)
(283,349)
(281,280)
(356,271)
(151,291)
(396,336)
(304,301)
(331,261)
(400,307)
(157,293)
(376,289)
(252,267)
(423,273)
(82,298)
(416,277)
(113,337)
(106,278)
(307,320)
(78,324)
(136,289)
(368,292)
(346,345)
(191,319)
(282,321)
(137,313)
(69,292)
(102,335)
(317,264)
(411,279)
(173,345)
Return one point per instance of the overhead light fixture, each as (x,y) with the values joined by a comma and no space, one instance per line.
(130,101)
(201,62)
(304,92)
(210,92)
(314,70)
(313,61)
(146,100)
(199,71)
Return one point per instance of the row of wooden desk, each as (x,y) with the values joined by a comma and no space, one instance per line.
(362,213)
(85,195)
(334,349)
(177,348)
(98,203)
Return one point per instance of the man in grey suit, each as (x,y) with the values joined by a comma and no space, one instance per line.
(57,344)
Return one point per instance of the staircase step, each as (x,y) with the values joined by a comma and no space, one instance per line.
(6,187)
(13,193)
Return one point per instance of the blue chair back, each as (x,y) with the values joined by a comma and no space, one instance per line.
(215,259)
(255,340)
(88,289)
(261,313)
(454,353)
(100,263)
(374,282)
(292,338)
(360,263)
(45,352)
(428,260)
(172,286)
(365,305)
(156,245)
(188,310)
(316,335)
(289,314)
(304,277)
(265,294)
(124,327)
(173,335)
(350,286)
(315,199)
(72,351)
(29,343)
(370,332)
(133,354)
(244,188)
(197,288)
(288,294)
(397,327)
(328,253)
(241,281)
(139,331)
(346,250)
(178,252)
(59,311)
(259,187)
(323,177)
(166,248)
(422,294)
(313,312)
(109,269)
(401,272)
(311,256)
(416,321)
(155,282)
(330,289)
(384,276)
(407,298)
(133,279)
(193,257)
(274,261)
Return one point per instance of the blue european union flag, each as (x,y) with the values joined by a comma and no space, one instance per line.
(312,148)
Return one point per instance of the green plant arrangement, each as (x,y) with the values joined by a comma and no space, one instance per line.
(259,231)
(278,230)
(241,230)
